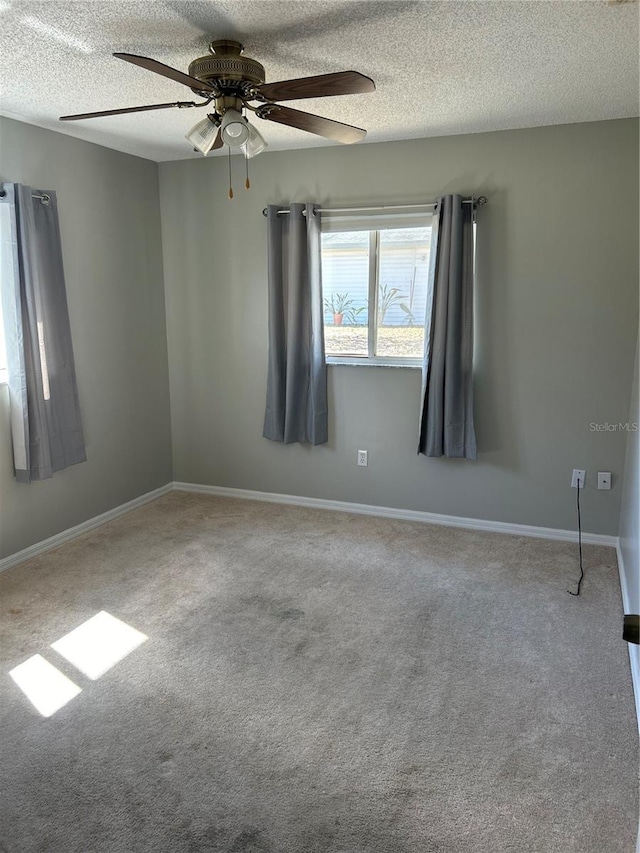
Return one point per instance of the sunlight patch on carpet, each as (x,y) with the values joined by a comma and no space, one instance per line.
(99,644)
(46,687)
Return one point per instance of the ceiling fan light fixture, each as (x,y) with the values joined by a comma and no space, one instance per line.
(255,143)
(202,135)
(234,129)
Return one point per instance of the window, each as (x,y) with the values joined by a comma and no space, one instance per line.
(8,269)
(5,233)
(3,352)
(46,427)
(374,284)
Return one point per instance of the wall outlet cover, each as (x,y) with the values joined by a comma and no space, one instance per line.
(579,475)
(604,479)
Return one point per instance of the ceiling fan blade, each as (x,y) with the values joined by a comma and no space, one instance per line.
(166,71)
(128,110)
(320,86)
(326,127)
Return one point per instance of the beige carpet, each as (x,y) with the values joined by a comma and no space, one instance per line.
(317,682)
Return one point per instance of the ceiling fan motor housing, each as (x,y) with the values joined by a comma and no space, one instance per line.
(226,68)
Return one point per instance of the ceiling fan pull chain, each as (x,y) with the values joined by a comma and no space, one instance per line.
(230,187)
(247,183)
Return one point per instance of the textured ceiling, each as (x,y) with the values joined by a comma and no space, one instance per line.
(440,67)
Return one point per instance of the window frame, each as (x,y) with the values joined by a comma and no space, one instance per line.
(372,360)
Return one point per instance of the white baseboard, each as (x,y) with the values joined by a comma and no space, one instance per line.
(404,514)
(313,503)
(634,651)
(79,529)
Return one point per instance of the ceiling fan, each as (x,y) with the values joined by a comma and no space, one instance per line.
(236,84)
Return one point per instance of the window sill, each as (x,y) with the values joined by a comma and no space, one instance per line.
(345,361)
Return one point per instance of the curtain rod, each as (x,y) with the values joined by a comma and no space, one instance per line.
(480,200)
(44,198)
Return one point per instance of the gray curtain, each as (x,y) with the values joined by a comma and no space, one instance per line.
(446,422)
(296,407)
(45,417)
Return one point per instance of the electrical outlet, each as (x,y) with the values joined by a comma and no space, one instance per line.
(577,478)
(604,479)
(363,458)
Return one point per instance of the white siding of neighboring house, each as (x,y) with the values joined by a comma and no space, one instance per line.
(403,265)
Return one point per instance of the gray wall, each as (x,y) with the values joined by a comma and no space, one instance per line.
(557,307)
(110,225)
